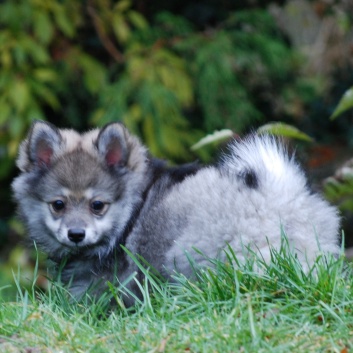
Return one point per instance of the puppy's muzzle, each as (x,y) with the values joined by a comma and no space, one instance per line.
(76,235)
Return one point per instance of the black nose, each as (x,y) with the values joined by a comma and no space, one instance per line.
(76,235)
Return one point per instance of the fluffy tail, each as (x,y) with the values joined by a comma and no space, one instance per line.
(276,186)
(263,163)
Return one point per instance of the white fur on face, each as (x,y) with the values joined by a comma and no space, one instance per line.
(95,227)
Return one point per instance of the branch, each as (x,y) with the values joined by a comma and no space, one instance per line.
(104,38)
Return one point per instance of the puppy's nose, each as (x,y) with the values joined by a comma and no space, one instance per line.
(76,235)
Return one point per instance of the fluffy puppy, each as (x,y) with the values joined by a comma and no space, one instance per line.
(82,196)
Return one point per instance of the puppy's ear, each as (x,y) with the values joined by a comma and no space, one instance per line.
(112,145)
(40,146)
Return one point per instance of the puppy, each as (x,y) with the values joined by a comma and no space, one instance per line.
(82,196)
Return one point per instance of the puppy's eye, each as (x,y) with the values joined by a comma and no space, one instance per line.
(57,205)
(98,207)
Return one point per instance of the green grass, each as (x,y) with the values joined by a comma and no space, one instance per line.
(252,307)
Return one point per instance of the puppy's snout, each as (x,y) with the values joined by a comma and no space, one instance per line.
(76,235)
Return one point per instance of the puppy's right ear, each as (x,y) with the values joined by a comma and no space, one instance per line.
(112,145)
(39,148)
(120,150)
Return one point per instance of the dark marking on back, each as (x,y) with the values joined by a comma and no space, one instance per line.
(178,174)
(162,177)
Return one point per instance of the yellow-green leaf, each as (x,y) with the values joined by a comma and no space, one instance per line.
(6,58)
(122,5)
(121,28)
(344,104)
(5,111)
(137,20)
(45,75)
(19,95)
(43,27)
(285,130)
(64,22)
(217,136)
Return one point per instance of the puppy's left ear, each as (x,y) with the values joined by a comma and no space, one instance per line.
(112,145)
(40,146)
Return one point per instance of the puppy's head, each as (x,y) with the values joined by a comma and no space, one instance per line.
(76,192)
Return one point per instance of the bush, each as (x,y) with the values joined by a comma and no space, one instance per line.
(170,80)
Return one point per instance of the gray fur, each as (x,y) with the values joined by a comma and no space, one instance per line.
(158,212)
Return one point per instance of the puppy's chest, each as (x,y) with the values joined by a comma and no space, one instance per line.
(83,274)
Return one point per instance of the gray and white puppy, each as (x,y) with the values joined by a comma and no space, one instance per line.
(82,196)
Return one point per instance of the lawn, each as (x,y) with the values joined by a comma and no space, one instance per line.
(252,307)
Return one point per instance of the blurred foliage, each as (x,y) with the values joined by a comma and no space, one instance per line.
(340,191)
(172,72)
(339,188)
(81,63)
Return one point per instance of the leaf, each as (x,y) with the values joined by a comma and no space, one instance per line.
(137,20)
(121,28)
(16,127)
(5,58)
(5,112)
(43,27)
(19,94)
(64,22)
(43,93)
(285,130)
(36,51)
(174,76)
(344,104)
(94,74)
(45,75)
(123,5)
(46,95)
(217,136)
